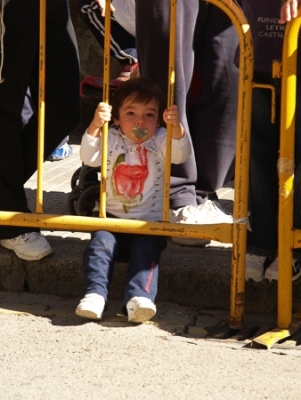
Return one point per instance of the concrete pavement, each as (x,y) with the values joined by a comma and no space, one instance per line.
(48,353)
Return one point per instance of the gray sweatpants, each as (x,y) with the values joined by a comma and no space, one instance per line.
(205,40)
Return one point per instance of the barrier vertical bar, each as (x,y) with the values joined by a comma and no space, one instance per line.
(41,111)
(170,101)
(106,99)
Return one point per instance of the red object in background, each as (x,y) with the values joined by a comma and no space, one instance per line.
(95,84)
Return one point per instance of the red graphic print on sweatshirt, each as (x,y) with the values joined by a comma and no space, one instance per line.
(128,180)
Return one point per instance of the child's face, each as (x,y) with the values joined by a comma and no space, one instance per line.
(138,121)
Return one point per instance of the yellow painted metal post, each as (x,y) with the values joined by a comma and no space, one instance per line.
(241,189)
(286,172)
(41,111)
(240,212)
(170,101)
(106,99)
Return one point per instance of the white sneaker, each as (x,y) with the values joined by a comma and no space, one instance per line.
(271,272)
(29,246)
(140,309)
(186,215)
(206,213)
(254,267)
(91,306)
(210,213)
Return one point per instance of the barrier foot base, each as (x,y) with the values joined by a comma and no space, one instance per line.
(268,339)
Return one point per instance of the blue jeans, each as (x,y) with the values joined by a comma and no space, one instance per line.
(143,253)
(263,237)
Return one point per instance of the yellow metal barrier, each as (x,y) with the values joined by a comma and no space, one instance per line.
(226,233)
(288,237)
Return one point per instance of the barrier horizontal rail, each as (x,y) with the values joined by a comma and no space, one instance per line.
(219,232)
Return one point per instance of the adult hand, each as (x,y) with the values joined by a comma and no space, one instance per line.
(102,5)
(289,10)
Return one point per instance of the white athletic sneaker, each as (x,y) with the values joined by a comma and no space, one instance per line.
(210,213)
(271,272)
(206,213)
(254,267)
(140,309)
(91,306)
(29,246)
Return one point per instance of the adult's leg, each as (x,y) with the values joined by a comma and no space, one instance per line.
(62,99)
(213,114)
(18,147)
(142,280)
(20,44)
(123,46)
(263,237)
(152,40)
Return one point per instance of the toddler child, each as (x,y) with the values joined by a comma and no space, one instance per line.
(135,190)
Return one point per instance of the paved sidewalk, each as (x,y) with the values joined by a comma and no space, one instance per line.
(49,353)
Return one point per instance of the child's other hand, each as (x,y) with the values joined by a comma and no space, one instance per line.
(102,114)
(171,116)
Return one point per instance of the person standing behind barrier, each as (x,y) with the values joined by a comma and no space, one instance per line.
(123,46)
(206,39)
(135,190)
(20,71)
(262,242)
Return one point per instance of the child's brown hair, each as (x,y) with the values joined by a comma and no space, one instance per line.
(142,90)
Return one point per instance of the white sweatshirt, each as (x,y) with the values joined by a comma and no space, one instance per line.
(135,172)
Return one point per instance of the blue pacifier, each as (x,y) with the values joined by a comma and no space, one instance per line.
(138,132)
